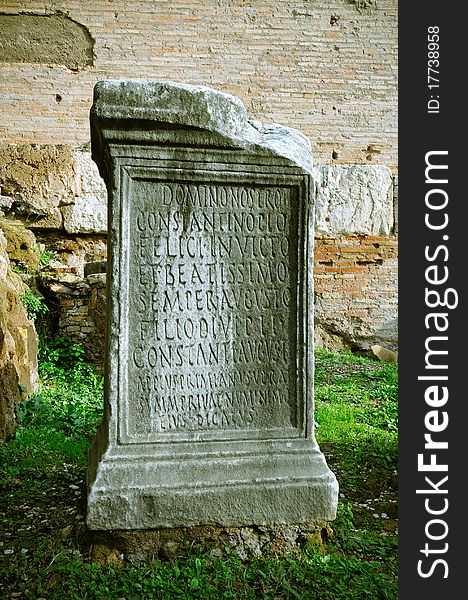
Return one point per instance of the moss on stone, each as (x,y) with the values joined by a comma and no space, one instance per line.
(22,248)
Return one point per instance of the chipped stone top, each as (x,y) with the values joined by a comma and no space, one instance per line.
(201,107)
(165,101)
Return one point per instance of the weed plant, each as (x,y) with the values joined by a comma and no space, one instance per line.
(70,399)
(34,305)
(42,472)
(46,256)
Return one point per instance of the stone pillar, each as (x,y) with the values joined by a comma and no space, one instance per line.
(209,375)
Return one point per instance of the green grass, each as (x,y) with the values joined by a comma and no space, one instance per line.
(42,472)
(356,409)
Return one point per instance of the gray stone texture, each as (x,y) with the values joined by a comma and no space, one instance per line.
(162,102)
(87,215)
(88,212)
(209,376)
(354,200)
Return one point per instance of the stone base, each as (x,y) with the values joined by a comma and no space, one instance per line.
(203,427)
(168,544)
(227,484)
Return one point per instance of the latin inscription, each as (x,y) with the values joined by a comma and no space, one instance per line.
(212,293)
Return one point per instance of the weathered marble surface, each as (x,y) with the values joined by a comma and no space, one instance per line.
(209,376)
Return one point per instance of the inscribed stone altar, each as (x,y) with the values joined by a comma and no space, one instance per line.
(209,376)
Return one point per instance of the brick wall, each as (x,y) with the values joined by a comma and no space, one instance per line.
(355,295)
(327,67)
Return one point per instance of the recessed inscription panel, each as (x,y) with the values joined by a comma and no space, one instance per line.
(212,323)
(209,363)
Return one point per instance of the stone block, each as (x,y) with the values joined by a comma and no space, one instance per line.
(88,179)
(39,178)
(354,200)
(52,219)
(87,215)
(209,371)
(88,211)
